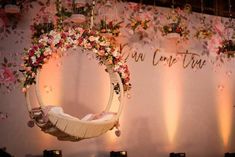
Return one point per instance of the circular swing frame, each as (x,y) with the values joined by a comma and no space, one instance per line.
(70,128)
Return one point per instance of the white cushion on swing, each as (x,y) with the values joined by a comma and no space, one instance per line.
(59,111)
(104,116)
(87,117)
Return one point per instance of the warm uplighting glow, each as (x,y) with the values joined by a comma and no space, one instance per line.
(49,79)
(172,98)
(50,83)
(110,137)
(224,110)
(110,140)
(45,140)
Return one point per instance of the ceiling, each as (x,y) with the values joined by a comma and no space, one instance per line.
(212,7)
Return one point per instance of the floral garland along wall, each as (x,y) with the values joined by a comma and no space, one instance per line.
(37,55)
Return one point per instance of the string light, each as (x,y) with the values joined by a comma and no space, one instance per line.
(202,11)
(202,7)
(173,4)
(230,10)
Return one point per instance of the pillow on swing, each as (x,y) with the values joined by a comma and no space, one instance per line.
(103,116)
(60,112)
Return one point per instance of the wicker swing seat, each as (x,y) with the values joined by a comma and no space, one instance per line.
(53,120)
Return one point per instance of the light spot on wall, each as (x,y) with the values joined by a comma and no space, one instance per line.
(50,83)
(50,91)
(172,99)
(224,111)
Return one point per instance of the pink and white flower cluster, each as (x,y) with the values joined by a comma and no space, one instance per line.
(57,42)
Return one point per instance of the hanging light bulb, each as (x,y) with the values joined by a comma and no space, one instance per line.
(230,9)
(202,18)
(187,8)
(12,8)
(108,3)
(173,4)
(231,25)
(79,3)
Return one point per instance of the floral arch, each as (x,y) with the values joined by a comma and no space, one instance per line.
(57,42)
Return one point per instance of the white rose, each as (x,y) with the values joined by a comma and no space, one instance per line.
(38,53)
(57,39)
(70,40)
(116,67)
(33,58)
(104,43)
(95,50)
(43,40)
(108,49)
(92,38)
(48,50)
(116,53)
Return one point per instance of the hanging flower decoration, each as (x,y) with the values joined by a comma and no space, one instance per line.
(143,21)
(135,7)
(206,30)
(176,24)
(111,27)
(56,42)
(11,13)
(74,12)
(21,6)
(222,42)
(137,23)
(228,48)
(8,23)
(203,33)
(84,10)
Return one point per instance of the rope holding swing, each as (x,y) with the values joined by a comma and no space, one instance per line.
(92,14)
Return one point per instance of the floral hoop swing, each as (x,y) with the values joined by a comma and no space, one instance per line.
(52,119)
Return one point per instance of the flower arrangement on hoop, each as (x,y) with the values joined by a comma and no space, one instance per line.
(228,48)
(43,23)
(110,27)
(176,24)
(205,31)
(56,42)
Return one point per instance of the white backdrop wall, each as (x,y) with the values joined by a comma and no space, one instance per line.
(171,109)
